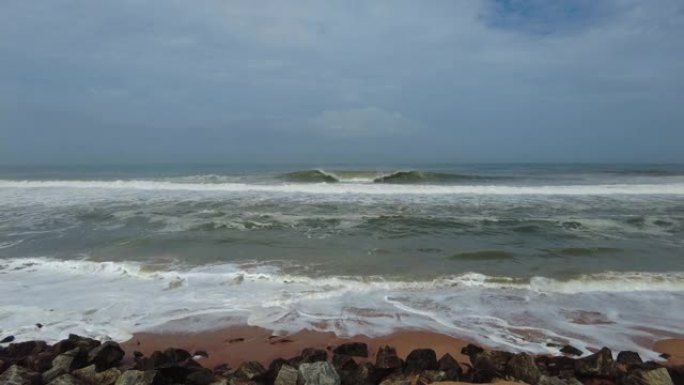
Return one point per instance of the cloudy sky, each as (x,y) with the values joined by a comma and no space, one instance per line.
(341,81)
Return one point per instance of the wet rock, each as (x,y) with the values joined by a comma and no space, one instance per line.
(295,361)
(571,350)
(251,370)
(201,353)
(177,355)
(287,376)
(522,367)
(274,369)
(552,380)
(200,377)
(106,355)
(420,360)
(387,358)
(16,375)
(137,377)
(354,349)
(24,349)
(84,342)
(430,376)
(90,375)
(677,374)
(310,355)
(396,379)
(489,365)
(471,351)
(629,358)
(319,373)
(658,376)
(65,363)
(343,362)
(557,366)
(7,339)
(366,374)
(450,367)
(40,362)
(598,364)
(66,379)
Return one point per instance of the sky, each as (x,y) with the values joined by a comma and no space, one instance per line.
(220,81)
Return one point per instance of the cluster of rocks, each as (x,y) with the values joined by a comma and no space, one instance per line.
(84,361)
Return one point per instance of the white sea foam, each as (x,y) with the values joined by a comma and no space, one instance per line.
(357,188)
(116,299)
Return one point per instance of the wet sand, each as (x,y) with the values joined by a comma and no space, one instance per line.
(674,347)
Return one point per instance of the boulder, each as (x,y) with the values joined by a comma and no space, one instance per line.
(658,376)
(251,370)
(387,358)
(430,376)
(106,355)
(84,343)
(571,350)
(421,359)
(66,379)
(7,339)
(677,374)
(489,365)
(40,362)
(286,376)
(366,374)
(556,366)
(319,373)
(522,367)
(354,349)
(137,377)
(65,363)
(552,380)
(471,351)
(599,364)
(310,355)
(90,375)
(21,350)
(629,358)
(450,367)
(343,362)
(16,375)
(200,377)
(396,379)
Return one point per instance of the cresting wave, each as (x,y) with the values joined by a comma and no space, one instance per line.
(114,299)
(395,177)
(356,188)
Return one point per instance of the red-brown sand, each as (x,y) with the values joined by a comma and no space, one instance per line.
(235,345)
(674,347)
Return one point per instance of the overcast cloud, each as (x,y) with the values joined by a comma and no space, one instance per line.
(341,81)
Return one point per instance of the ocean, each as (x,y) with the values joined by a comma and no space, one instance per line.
(524,257)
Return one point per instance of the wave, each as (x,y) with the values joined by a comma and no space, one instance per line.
(418,177)
(395,177)
(370,189)
(310,176)
(493,310)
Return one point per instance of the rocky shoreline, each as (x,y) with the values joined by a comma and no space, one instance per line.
(85,361)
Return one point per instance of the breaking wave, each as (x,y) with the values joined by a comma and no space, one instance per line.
(395,177)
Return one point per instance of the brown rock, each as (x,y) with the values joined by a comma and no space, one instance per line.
(354,349)
(90,375)
(522,367)
(598,364)
(16,375)
(490,365)
(106,355)
(450,366)
(421,359)
(629,358)
(387,358)
(649,377)
(310,355)
(251,370)
(343,362)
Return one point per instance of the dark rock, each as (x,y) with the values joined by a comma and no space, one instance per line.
(556,366)
(471,351)
(16,375)
(222,370)
(287,375)
(658,376)
(90,375)
(430,376)
(549,380)
(522,367)
(39,325)
(251,370)
(343,362)
(274,369)
(571,350)
(629,358)
(677,374)
(420,360)
(137,354)
(84,342)
(177,355)
(599,364)
(66,379)
(354,349)
(295,361)
(24,349)
(106,356)
(396,379)
(489,365)
(319,373)
(387,358)
(137,377)
(665,356)
(310,355)
(63,346)
(200,377)
(40,362)
(7,339)
(65,363)
(201,353)
(366,374)
(450,366)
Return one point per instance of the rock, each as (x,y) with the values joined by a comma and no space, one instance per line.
(557,366)
(354,349)
(200,377)
(287,375)
(7,339)
(84,343)
(319,373)
(387,358)
(629,358)
(274,369)
(106,355)
(343,362)
(366,374)
(201,353)
(430,376)
(66,379)
(522,367)
(65,363)
(489,365)
(571,350)
(471,351)
(24,349)
(90,375)
(40,362)
(658,376)
(598,364)
(137,377)
(548,380)
(421,359)
(677,374)
(310,355)
(396,379)
(450,366)
(251,370)
(16,375)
